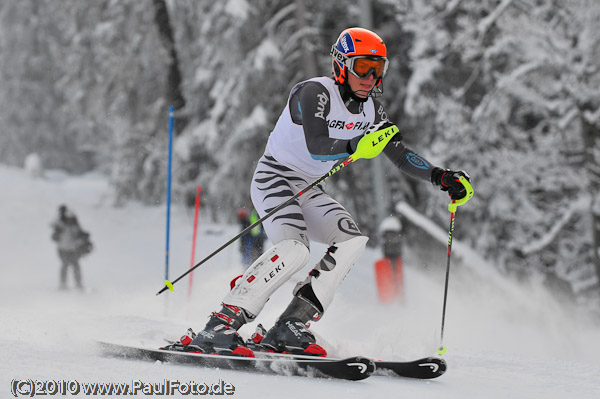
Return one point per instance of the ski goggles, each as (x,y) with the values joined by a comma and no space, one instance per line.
(362,67)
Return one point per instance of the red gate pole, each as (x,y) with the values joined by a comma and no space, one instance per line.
(198,191)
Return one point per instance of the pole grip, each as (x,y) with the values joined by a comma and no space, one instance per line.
(470,192)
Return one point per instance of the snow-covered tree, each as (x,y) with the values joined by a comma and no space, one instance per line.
(513,91)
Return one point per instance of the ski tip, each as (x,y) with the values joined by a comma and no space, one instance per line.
(355,368)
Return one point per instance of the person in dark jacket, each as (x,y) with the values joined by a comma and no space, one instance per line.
(246,240)
(72,243)
(251,243)
(258,236)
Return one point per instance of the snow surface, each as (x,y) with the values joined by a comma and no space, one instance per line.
(504,340)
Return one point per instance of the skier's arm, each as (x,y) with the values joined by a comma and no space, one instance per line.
(405,159)
(408,161)
(418,167)
(309,107)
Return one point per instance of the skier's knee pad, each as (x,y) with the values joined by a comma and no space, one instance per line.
(328,274)
(267,274)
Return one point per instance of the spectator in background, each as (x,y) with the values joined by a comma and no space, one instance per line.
(390,230)
(245,244)
(72,243)
(252,243)
(257,240)
(389,275)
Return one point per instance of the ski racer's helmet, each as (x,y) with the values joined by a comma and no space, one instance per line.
(361,52)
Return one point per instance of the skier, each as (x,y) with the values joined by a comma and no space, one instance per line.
(323,122)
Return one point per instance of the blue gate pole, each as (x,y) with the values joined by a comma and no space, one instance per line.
(169,191)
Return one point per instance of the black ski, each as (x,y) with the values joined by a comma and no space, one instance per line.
(353,368)
(424,368)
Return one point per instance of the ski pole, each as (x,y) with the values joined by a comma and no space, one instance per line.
(452,207)
(366,149)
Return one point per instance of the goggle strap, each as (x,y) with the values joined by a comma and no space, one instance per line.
(338,55)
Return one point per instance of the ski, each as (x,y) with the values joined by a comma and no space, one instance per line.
(424,368)
(352,368)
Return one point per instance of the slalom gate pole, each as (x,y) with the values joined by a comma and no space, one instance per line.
(371,146)
(169,192)
(197,208)
(452,207)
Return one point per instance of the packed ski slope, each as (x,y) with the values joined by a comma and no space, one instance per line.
(503,340)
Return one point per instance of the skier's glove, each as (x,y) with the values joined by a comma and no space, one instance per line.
(353,143)
(448,180)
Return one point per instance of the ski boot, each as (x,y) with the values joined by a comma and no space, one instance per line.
(220,335)
(291,334)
